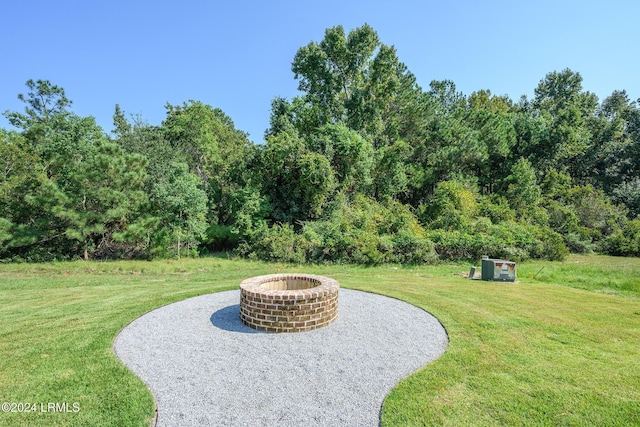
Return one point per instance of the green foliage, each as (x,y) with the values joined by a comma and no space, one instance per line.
(494,119)
(508,240)
(206,140)
(583,215)
(181,206)
(333,71)
(625,240)
(353,84)
(296,181)
(562,218)
(593,209)
(19,173)
(390,172)
(563,104)
(451,145)
(368,232)
(351,156)
(457,245)
(101,197)
(523,192)
(5,231)
(247,217)
(451,207)
(360,150)
(628,194)
(82,192)
(360,231)
(496,208)
(44,101)
(277,243)
(316,182)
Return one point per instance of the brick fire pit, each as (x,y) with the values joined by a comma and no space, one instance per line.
(288,302)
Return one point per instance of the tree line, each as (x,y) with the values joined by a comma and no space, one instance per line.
(363,166)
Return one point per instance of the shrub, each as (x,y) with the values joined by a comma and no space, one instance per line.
(497,209)
(277,243)
(509,240)
(407,247)
(360,231)
(451,207)
(222,237)
(554,248)
(368,232)
(624,241)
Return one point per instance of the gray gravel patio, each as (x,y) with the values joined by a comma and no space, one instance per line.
(205,368)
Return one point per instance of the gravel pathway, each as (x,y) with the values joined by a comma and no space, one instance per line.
(204,367)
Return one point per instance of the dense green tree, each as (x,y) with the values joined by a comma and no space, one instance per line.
(18,171)
(531,129)
(206,139)
(44,101)
(359,230)
(85,189)
(523,193)
(97,187)
(612,164)
(625,240)
(139,137)
(247,217)
(296,181)
(351,156)
(333,71)
(452,148)
(560,99)
(355,80)
(207,136)
(391,171)
(628,193)
(102,197)
(16,166)
(451,207)
(584,215)
(181,206)
(493,118)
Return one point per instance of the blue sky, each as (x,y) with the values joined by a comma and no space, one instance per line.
(237,55)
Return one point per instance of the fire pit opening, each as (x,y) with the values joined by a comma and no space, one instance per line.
(288,302)
(290,284)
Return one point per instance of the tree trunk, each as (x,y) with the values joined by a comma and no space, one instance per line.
(178,245)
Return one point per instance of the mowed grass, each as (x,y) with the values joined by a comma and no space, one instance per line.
(560,347)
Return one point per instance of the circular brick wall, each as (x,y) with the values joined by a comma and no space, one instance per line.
(288,302)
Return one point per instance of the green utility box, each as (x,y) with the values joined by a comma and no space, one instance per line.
(498,270)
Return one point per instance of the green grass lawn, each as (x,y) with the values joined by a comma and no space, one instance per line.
(560,347)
